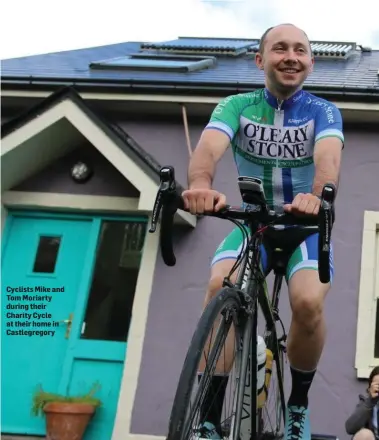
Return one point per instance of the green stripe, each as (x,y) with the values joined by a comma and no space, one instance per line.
(296,258)
(272,162)
(340,137)
(267,184)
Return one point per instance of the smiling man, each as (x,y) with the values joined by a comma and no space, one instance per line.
(291,140)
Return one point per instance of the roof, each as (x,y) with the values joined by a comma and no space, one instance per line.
(125,142)
(227,65)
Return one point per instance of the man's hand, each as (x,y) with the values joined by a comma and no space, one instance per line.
(304,204)
(198,201)
(374,390)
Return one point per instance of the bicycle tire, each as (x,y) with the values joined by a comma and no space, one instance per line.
(190,367)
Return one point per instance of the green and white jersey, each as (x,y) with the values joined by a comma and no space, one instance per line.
(274,140)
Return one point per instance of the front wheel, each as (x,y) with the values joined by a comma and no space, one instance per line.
(196,395)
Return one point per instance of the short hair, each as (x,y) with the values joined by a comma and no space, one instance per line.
(263,37)
(374,372)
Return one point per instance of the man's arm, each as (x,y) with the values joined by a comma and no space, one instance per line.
(327,160)
(361,415)
(329,140)
(214,141)
(211,147)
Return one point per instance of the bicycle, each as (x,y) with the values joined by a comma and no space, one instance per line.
(237,304)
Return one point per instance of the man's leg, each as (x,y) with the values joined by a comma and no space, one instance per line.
(307,332)
(364,434)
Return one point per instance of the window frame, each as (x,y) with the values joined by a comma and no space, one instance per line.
(193,62)
(368,296)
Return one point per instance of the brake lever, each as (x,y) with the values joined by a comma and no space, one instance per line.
(167,178)
(327,215)
(157,208)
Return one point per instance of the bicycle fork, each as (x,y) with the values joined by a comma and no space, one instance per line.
(246,407)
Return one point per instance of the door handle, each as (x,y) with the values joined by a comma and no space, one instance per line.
(68,322)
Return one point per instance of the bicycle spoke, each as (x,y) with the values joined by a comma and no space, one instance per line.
(214,357)
(209,371)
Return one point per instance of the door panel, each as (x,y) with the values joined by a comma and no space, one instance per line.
(42,266)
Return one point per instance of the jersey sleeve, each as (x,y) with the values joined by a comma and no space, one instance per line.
(226,117)
(328,122)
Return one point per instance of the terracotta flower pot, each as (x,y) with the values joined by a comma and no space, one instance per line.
(67,421)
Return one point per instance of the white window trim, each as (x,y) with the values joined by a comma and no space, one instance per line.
(368,294)
(70,202)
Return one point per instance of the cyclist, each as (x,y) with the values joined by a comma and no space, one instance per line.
(293,141)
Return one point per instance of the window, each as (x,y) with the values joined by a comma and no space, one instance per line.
(139,61)
(111,297)
(47,253)
(367,348)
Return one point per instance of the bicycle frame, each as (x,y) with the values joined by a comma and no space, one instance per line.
(254,293)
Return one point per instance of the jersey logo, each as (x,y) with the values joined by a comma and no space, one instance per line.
(259,118)
(264,144)
(329,110)
(298,121)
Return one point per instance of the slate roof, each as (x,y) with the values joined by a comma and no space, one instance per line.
(121,138)
(355,75)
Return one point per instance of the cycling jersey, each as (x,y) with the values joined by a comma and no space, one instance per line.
(274,140)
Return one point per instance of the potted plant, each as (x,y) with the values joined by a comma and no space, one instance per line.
(67,417)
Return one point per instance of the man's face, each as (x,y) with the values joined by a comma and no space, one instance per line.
(286,59)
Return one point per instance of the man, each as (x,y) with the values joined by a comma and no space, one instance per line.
(292,140)
(363,423)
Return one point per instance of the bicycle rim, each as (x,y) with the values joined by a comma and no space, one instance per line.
(189,411)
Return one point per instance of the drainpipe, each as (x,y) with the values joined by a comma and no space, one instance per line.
(186,130)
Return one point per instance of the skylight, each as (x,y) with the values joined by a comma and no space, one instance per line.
(175,63)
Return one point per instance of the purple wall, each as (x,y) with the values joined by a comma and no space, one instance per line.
(178,292)
(106,180)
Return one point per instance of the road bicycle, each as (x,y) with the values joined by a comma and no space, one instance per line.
(248,412)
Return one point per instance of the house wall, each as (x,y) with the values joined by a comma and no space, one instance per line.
(106,180)
(178,291)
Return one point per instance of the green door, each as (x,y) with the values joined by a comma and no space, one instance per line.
(42,268)
(68,288)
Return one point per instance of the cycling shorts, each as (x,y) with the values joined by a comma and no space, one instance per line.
(302,253)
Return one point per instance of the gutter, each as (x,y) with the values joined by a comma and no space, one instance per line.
(129,85)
